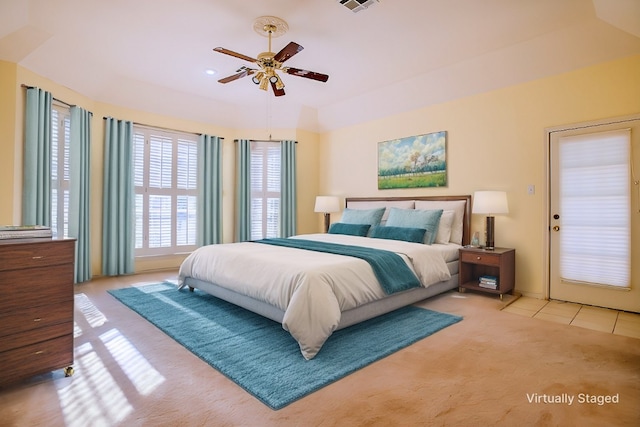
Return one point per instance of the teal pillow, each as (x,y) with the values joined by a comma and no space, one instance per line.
(362,216)
(416,218)
(407,234)
(350,229)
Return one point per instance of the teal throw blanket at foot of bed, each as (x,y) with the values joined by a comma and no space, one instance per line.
(390,269)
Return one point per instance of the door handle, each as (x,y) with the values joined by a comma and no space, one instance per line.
(556,228)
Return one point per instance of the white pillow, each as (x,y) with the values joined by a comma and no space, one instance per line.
(455,205)
(444,228)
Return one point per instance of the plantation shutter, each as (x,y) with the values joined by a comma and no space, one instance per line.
(160,213)
(596,212)
(138,179)
(186,209)
(265,189)
(60,183)
(166,191)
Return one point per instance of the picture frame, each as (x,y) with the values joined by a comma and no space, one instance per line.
(413,162)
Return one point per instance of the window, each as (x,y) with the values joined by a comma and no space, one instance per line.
(165,178)
(60,137)
(265,189)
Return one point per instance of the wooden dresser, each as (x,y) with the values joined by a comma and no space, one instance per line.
(36,307)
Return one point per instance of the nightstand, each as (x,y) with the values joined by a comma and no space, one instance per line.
(476,263)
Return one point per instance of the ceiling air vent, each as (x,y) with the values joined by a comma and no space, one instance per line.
(357,5)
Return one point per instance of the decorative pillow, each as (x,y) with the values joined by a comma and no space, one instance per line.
(458,206)
(351,229)
(362,216)
(371,204)
(413,218)
(415,235)
(444,228)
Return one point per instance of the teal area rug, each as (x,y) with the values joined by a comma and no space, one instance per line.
(260,356)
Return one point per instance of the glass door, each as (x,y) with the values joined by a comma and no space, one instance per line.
(594,244)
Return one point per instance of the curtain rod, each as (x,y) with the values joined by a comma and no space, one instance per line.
(55,99)
(159,127)
(265,140)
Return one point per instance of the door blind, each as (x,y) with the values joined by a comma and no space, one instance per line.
(595,211)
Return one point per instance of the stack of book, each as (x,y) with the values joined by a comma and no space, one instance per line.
(24,232)
(489,282)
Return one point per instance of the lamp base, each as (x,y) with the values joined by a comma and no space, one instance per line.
(489,242)
(327,220)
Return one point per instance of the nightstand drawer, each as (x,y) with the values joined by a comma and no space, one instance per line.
(480,258)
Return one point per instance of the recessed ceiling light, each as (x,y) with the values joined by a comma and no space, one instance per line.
(210,72)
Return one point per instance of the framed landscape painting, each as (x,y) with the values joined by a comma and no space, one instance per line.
(414,161)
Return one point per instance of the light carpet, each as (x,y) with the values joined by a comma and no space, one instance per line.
(260,356)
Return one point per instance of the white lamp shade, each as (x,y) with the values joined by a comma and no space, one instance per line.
(490,202)
(327,204)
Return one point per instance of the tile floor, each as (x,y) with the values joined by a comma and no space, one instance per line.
(585,316)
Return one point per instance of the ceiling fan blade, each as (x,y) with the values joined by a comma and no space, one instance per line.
(307,74)
(235,54)
(276,91)
(243,73)
(287,52)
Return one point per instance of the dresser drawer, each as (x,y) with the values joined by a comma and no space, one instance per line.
(480,258)
(36,254)
(20,289)
(14,322)
(35,336)
(34,359)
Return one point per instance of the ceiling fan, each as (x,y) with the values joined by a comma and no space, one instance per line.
(268,62)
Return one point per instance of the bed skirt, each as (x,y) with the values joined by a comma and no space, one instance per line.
(348,318)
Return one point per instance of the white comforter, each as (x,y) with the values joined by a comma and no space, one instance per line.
(312,288)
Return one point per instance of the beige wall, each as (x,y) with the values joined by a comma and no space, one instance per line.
(8,123)
(495,142)
(11,142)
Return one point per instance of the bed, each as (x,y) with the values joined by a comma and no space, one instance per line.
(313,292)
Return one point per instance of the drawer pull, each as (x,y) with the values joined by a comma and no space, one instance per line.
(37,257)
(37,319)
(478,258)
(38,352)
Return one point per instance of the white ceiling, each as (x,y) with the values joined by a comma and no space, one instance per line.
(151,55)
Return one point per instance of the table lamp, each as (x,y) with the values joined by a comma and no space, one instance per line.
(490,203)
(326,205)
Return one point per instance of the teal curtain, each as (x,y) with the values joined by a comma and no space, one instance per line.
(36,187)
(79,194)
(118,199)
(288,189)
(209,190)
(243,190)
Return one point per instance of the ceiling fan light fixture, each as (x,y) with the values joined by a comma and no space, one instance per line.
(279,84)
(258,78)
(274,79)
(264,84)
